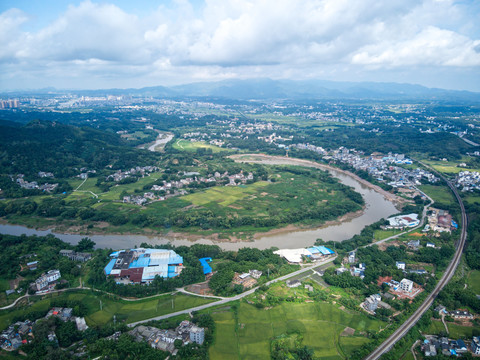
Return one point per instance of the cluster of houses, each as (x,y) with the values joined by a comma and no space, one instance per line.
(468,180)
(434,346)
(174,188)
(84,173)
(401,265)
(318,149)
(440,221)
(20,332)
(355,270)
(33,184)
(76,256)
(16,335)
(46,282)
(164,339)
(405,288)
(247,280)
(383,167)
(120,175)
(66,314)
(231,180)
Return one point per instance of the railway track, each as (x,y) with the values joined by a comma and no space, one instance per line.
(406,326)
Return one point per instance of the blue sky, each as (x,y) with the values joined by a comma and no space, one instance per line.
(119,43)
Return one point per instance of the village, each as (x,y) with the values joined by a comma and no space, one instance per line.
(171,189)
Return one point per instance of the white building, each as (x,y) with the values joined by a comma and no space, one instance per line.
(400,265)
(476,345)
(406,285)
(402,221)
(43,281)
(371,302)
(197,334)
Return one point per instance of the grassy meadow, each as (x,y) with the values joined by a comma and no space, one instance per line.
(248,335)
(192,146)
(102,308)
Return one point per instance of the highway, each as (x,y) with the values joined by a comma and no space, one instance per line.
(234,298)
(406,326)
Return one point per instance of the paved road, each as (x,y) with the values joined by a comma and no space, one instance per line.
(236,297)
(406,326)
(422,221)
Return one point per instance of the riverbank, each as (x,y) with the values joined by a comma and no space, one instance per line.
(159,144)
(377,206)
(282,160)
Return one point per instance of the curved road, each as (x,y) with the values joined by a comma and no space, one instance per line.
(406,326)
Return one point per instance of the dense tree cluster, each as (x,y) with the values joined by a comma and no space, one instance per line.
(63,149)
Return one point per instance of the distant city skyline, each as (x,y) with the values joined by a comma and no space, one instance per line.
(121,44)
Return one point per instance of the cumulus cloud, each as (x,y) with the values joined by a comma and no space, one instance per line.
(236,38)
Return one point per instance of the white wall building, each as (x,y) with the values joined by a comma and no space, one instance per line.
(406,285)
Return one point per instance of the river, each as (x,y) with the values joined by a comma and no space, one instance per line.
(377,207)
(162,140)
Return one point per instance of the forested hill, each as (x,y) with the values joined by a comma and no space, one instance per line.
(58,148)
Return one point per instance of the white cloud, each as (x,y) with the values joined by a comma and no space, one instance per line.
(241,38)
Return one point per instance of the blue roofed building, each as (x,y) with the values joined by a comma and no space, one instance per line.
(207,269)
(319,252)
(142,265)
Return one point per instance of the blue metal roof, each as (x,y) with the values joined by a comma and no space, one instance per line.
(109,267)
(206,268)
(140,262)
(320,249)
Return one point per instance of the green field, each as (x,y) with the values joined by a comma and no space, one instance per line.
(226,195)
(249,336)
(127,311)
(456,331)
(383,234)
(192,146)
(473,281)
(448,167)
(440,194)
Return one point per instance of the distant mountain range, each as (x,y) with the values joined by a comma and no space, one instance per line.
(268,89)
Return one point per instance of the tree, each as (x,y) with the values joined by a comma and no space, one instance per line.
(85,244)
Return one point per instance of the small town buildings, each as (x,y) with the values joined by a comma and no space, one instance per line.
(413,244)
(461,314)
(400,265)
(33,265)
(406,285)
(293,283)
(76,256)
(244,279)
(371,302)
(47,281)
(197,335)
(64,314)
(351,257)
(81,324)
(475,346)
(256,274)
